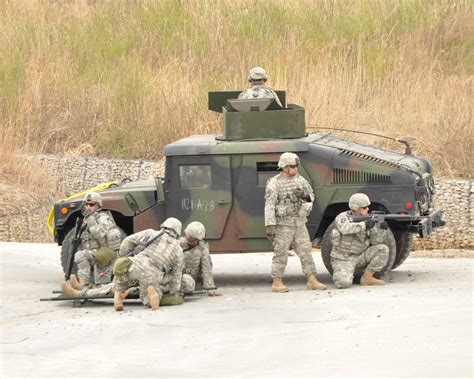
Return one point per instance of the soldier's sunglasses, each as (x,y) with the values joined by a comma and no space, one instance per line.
(293,166)
(364,207)
(91,204)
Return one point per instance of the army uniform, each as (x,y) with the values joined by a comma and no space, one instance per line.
(159,264)
(289,214)
(100,231)
(260,92)
(257,78)
(197,264)
(355,246)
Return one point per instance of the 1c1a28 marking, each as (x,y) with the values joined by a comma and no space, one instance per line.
(198,205)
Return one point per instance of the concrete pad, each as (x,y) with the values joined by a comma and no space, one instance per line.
(418,325)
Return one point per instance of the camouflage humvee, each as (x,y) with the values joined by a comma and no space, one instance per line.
(220,181)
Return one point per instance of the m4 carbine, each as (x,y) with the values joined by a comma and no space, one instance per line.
(75,243)
(424,223)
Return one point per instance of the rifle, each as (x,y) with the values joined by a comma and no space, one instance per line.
(76,241)
(61,297)
(425,224)
(142,246)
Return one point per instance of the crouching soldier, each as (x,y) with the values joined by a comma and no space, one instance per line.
(358,245)
(158,261)
(197,259)
(99,232)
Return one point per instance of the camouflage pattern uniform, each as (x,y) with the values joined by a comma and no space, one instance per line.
(198,263)
(260,92)
(356,247)
(100,231)
(257,77)
(289,214)
(159,264)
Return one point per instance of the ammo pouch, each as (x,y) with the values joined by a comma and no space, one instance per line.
(335,237)
(305,209)
(102,275)
(114,238)
(281,210)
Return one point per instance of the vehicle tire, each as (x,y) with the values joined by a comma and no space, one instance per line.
(404,241)
(326,247)
(67,245)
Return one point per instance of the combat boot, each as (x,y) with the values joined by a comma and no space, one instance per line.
(314,284)
(118,301)
(278,286)
(368,279)
(68,290)
(153,298)
(77,284)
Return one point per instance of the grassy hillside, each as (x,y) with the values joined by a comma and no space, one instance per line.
(123,78)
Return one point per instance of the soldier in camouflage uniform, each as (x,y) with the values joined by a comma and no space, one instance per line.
(99,232)
(358,245)
(288,202)
(257,78)
(197,259)
(159,263)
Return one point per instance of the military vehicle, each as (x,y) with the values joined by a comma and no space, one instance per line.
(220,180)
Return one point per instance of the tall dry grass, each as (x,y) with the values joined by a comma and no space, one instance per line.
(128,77)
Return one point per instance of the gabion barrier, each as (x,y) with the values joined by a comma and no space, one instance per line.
(27,223)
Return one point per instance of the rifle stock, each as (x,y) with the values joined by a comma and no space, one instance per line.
(76,241)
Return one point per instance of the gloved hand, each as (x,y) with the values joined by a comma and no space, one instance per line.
(383,225)
(271,232)
(299,193)
(369,223)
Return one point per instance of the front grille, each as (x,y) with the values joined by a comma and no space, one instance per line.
(345,176)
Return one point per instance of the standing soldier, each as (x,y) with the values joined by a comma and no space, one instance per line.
(358,245)
(100,242)
(197,260)
(288,202)
(257,78)
(159,262)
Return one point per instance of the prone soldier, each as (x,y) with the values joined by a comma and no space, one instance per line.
(358,245)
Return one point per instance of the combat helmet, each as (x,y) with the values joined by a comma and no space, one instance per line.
(94,197)
(287,159)
(358,200)
(172,224)
(257,73)
(195,230)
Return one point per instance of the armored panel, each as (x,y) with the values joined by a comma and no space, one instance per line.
(285,123)
(217,100)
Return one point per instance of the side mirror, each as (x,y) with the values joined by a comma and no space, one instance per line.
(160,192)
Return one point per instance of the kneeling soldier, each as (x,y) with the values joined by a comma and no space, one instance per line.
(358,245)
(197,259)
(159,261)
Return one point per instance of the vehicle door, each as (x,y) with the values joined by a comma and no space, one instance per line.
(200,189)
